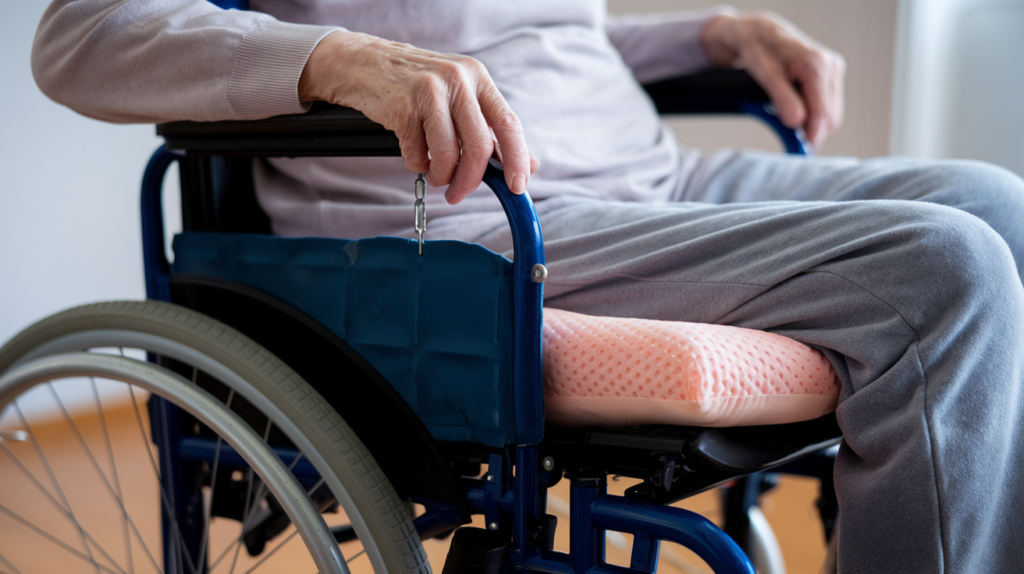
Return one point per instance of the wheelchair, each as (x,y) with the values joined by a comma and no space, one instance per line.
(268,404)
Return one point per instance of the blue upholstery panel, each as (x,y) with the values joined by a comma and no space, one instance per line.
(437,327)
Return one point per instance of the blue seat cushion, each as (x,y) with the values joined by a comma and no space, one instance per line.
(437,327)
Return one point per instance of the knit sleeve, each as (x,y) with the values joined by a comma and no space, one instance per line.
(148,61)
(659,46)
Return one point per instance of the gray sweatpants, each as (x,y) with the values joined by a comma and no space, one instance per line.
(914,296)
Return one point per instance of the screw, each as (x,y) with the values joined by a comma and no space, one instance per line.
(549,463)
(538,273)
(490,478)
(492,526)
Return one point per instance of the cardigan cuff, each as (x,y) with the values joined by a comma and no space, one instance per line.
(265,75)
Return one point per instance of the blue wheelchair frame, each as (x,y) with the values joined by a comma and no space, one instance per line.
(500,496)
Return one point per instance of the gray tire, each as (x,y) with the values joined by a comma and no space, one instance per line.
(378,515)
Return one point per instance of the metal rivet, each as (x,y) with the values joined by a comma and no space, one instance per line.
(549,463)
(490,478)
(538,273)
(492,526)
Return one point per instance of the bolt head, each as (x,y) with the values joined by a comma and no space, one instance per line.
(490,478)
(549,463)
(492,526)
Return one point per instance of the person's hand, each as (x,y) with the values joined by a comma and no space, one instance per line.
(777,55)
(444,108)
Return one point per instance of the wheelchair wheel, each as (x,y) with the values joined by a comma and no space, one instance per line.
(92,525)
(275,402)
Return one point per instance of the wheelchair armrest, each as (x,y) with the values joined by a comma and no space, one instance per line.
(714,91)
(325,130)
(723,91)
(330,130)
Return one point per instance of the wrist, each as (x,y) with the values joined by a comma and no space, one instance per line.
(718,39)
(329,65)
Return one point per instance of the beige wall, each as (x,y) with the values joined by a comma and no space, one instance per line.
(862,30)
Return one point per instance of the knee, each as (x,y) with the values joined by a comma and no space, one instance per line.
(949,258)
(980,188)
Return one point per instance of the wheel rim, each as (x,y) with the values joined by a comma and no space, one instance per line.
(308,523)
(121,339)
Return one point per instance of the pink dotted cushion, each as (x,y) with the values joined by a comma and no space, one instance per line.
(611,371)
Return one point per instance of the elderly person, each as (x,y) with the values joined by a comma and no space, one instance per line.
(915,297)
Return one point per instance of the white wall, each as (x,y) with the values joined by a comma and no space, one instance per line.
(69,224)
(959,89)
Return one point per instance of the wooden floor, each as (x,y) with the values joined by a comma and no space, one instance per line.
(789,508)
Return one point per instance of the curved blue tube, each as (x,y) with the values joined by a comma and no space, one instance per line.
(673,524)
(154,256)
(795,141)
(527,301)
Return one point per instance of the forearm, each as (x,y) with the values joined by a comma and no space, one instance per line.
(160,60)
(658,46)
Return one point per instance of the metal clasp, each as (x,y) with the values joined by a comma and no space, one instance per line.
(421,209)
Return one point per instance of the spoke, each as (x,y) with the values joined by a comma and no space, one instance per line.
(222,555)
(165,500)
(99,471)
(272,552)
(52,538)
(85,535)
(356,555)
(213,485)
(313,488)
(53,478)
(113,468)
(249,504)
(234,561)
(261,493)
(11,566)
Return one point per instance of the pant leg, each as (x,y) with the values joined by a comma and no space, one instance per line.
(991,193)
(918,307)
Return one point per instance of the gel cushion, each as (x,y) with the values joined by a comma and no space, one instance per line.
(620,372)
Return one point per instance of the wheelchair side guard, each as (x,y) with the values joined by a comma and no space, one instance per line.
(399,442)
(437,328)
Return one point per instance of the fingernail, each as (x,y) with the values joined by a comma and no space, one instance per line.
(519,183)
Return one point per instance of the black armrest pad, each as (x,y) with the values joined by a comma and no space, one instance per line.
(714,91)
(329,130)
(325,130)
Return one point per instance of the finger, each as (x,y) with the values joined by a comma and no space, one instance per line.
(810,72)
(442,145)
(413,144)
(509,134)
(838,96)
(496,154)
(477,147)
(768,72)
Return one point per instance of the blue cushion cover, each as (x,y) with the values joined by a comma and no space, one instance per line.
(437,327)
